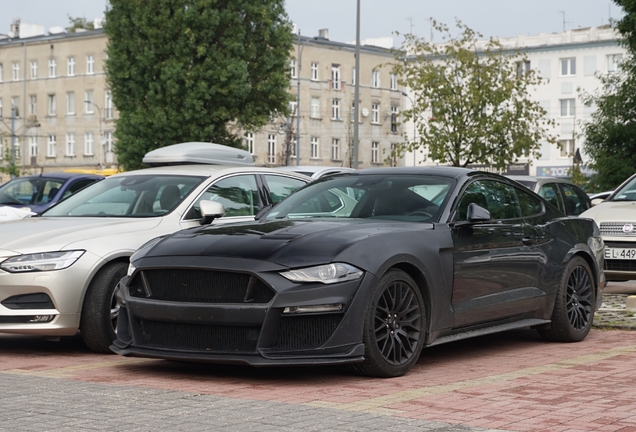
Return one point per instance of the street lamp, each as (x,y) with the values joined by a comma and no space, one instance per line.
(102,141)
(414,128)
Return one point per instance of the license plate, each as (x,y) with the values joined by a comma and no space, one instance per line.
(614,253)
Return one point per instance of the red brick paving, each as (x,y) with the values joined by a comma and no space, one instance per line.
(512,381)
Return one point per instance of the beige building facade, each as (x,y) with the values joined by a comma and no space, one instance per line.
(55,109)
(57,113)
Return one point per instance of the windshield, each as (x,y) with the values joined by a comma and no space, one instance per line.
(627,192)
(395,197)
(128,196)
(32,190)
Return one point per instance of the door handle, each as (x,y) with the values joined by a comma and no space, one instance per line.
(528,240)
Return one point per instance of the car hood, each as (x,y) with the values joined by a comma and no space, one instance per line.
(287,242)
(612,211)
(38,234)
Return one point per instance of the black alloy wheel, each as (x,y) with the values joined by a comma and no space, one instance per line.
(579,299)
(394,328)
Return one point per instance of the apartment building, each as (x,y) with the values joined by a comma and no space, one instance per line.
(569,63)
(57,113)
(55,108)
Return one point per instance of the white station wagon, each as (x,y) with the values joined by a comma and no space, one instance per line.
(58,271)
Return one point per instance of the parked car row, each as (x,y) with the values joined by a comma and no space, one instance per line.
(241,264)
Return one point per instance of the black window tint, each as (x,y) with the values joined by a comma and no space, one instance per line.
(550,192)
(498,198)
(280,187)
(530,205)
(575,202)
(79,184)
(238,194)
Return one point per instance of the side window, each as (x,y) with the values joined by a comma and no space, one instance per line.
(79,184)
(550,193)
(280,187)
(498,198)
(576,204)
(530,205)
(238,194)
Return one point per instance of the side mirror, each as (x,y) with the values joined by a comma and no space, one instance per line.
(211,210)
(476,213)
(597,201)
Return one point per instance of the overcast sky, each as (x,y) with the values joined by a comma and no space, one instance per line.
(379,18)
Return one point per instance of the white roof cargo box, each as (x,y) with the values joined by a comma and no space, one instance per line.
(198,153)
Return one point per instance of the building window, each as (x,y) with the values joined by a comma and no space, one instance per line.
(568,108)
(249,142)
(394,115)
(335,149)
(52,105)
(523,68)
(315,107)
(353,76)
(90,64)
(50,146)
(52,68)
(89,106)
(70,144)
(375,78)
(33,146)
(567,147)
(292,68)
(16,149)
(315,149)
(109,142)
(314,71)
(335,77)
(375,113)
(70,103)
(613,62)
(88,144)
(293,108)
(1,78)
(33,105)
(393,81)
(335,109)
(0,114)
(108,105)
(271,149)
(568,66)
(16,71)
(15,106)
(375,150)
(353,111)
(70,66)
(34,69)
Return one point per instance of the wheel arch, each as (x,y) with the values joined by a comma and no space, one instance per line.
(422,284)
(125,259)
(591,262)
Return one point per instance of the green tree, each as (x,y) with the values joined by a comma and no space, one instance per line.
(7,162)
(79,23)
(194,70)
(610,134)
(471,100)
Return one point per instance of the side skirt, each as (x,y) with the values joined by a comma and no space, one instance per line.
(489,330)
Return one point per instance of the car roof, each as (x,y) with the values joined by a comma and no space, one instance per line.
(539,179)
(445,171)
(60,175)
(205,170)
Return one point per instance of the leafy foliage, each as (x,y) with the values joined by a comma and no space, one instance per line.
(478,97)
(7,162)
(610,135)
(194,70)
(79,23)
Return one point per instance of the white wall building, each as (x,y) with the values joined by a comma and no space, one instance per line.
(569,62)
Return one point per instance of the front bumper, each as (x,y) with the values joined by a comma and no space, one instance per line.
(251,332)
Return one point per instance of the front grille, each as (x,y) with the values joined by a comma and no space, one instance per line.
(205,286)
(157,334)
(616,229)
(306,331)
(620,265)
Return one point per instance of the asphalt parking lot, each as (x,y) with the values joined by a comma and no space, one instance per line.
(512,381)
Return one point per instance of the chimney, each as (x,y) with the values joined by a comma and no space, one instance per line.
(323,34)
(15,28)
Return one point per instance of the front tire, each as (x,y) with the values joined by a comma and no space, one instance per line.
(574,305)
(394,327)
(100,310)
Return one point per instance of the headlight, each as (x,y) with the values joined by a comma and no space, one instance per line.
(327,274)
(46,261)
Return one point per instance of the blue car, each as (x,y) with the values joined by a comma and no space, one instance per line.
(39,192)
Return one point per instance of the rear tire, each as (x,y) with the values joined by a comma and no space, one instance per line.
(100,310)
(394,327)
(574,305)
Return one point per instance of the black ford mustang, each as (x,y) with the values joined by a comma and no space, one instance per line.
(364,268)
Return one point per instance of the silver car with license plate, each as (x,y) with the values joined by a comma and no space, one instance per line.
(58,271)
(616,218)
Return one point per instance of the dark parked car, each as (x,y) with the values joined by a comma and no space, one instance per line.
(561,193)
(39,192)
(412,257)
